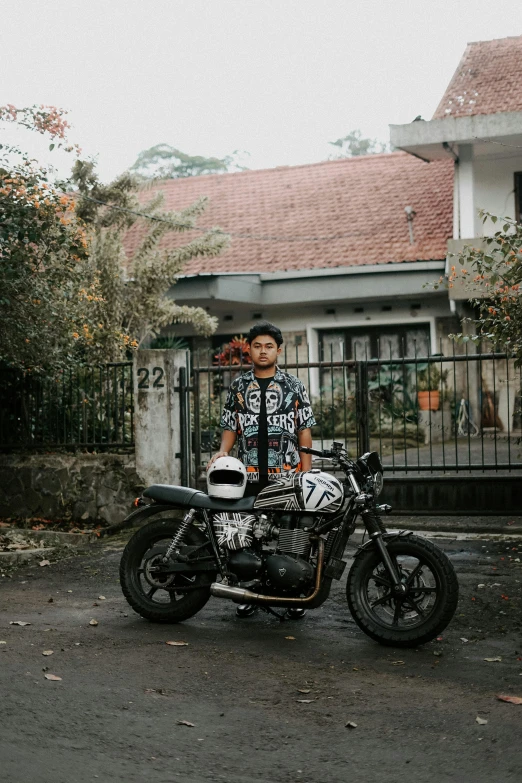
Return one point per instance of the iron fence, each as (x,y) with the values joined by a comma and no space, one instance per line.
(88,407)
(438,414)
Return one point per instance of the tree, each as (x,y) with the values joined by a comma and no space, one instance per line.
(354,144)
(68,293)
(165,162)
(495,272)
(47,292)
(135,288)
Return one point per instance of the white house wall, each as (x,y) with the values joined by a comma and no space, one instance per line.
(493,182)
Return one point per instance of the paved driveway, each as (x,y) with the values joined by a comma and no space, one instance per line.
(265,707)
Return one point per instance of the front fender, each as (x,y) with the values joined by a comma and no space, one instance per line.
(388,537)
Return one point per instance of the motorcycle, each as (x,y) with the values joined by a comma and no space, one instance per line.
(284,548)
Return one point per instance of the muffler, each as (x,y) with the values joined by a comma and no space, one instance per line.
(241,596)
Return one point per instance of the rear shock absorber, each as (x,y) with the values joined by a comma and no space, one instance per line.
(178,538)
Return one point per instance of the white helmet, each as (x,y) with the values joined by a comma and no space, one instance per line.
(226,478)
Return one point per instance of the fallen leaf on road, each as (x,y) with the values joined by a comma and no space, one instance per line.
(184,723)
(305,701)
(53,677)
(18,622)
(510,699)
(47,652)
(463,639)
(493,660)
(177,644)
(350,725)
(299,690)
(45,562)
(480,721)
(292,638)
(93,622)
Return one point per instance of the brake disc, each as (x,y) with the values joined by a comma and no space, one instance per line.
(152,567)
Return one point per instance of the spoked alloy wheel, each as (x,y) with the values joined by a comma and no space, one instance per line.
(417,615)
(152,593)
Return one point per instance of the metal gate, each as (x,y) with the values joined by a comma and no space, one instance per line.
(448,428)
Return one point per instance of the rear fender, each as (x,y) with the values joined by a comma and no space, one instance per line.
(137,517)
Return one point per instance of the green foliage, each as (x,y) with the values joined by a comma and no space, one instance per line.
(335,417)
(170,343)
(47,289)
(430,377)
(210,412)
(135,288)
(165,162)
(354,144)
(68,293)
(496,270)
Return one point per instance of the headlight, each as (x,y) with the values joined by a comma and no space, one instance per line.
(378,483)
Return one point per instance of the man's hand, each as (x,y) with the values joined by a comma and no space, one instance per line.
(216,456)
(228,439)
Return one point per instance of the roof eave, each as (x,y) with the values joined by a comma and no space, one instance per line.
(427,139)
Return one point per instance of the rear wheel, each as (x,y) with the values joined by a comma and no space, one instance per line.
(152,594)
(422,611)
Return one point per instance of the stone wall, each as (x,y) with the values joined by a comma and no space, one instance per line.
(86,488)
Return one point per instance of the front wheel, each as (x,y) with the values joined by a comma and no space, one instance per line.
(163,598)
(422,611)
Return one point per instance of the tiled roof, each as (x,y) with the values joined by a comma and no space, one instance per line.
(337,213)
(487,80)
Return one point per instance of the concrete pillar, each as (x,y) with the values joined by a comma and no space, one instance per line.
(157,430)
(466,195)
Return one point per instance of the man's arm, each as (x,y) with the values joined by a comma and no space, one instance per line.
(304,438)
(228,439)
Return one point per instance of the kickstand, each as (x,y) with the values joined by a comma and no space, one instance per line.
(269,610)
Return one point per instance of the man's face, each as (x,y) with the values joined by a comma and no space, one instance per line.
(264,352)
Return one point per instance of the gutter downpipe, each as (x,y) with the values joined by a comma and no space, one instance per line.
(456,211)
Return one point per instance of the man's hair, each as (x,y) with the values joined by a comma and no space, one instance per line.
(265,327)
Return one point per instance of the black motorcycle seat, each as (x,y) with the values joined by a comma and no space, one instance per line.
(193,498)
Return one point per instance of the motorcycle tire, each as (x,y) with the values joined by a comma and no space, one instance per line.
(139,592)
(428,606)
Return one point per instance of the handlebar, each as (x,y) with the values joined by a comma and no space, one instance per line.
(326,453)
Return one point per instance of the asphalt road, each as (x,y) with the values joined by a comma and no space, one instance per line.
(115,713)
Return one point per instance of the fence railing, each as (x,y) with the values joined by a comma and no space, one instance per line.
(435,414)
(89,407)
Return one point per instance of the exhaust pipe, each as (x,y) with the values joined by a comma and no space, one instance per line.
(241,596)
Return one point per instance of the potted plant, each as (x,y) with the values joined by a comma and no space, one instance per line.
(429,381)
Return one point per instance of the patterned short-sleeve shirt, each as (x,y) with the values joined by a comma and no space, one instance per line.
(288,412)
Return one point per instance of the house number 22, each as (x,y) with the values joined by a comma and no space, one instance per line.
(144,376)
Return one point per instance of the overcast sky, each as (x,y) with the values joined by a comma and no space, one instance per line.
(275,78)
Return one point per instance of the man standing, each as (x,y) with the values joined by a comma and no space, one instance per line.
(268,413)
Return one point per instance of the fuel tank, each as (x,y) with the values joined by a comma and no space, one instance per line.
(313,491)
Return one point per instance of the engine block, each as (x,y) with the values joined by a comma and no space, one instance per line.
(234,530)
(296,542)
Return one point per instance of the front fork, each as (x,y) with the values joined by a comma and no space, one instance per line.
(376,529)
